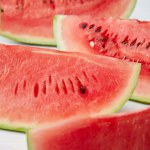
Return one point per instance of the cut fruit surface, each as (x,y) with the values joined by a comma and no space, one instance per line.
(38,88)
(110,37)
(128,131)
(30,21)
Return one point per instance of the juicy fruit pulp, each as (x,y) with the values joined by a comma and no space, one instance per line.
(30,21)
(120,132)
(123,39)
(40,88)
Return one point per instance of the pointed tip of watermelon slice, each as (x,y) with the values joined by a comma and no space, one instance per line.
(127,94)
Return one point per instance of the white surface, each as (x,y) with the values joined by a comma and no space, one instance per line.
(17,141)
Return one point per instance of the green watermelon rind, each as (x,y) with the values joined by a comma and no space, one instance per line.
(130,9)
(57,31)
(8,125)
(16,129)
(29,39)
(138,98)
(29,144)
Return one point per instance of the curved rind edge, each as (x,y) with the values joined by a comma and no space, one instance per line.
(57,30)
(141,99)
(29,39)
(12,127)
(29,145)
(131,87)
(130,9)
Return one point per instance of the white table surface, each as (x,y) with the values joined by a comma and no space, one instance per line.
(17,141)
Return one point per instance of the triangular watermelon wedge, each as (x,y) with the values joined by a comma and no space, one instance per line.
(41,87)
(127,131)
(122,39)
(30,21)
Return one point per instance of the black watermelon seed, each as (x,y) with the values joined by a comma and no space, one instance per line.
(125,42)
(82,89)
(83,25)
(2,10)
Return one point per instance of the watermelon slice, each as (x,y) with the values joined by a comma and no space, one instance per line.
(129,131)
(30,21)
(123,39)
(40,86)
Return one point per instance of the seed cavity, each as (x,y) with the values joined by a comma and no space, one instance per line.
(111,35)
(104,33)
(94,78)
(24,84)
(64,87)
(138,44)
(85,75)
(50,79)
(148,45)
(114,39)
(78,81)
(91,26)
(57,89)
(72,86)
(44,88)
(36,90)
(133,42)
(98,29)
(16,89)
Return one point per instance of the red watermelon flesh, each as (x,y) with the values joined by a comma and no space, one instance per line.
(128,131)
(123,39)
(41,88)
(30,21)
